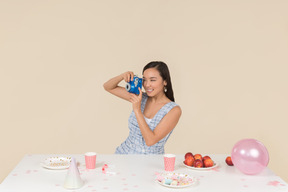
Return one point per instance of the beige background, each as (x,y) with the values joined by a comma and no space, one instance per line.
(228,62)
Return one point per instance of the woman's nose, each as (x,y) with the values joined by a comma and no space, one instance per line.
(146,84)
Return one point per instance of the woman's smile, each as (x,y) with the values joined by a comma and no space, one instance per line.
(149,90)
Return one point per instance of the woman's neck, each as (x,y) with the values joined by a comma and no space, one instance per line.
(160,98)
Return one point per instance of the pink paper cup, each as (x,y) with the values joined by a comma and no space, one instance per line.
(90,160)
(169,162)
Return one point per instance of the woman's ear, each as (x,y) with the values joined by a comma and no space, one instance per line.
(165,83)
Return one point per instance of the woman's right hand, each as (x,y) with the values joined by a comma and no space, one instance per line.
(128,76)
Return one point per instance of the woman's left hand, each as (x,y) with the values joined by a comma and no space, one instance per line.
(136,100)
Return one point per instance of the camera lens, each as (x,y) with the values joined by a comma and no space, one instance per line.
(128,87)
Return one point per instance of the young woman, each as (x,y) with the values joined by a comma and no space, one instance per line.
(154,115)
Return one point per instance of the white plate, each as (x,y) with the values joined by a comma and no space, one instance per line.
(185,179)
(202,168)
(56,162)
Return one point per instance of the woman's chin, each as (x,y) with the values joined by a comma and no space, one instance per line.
(149,93)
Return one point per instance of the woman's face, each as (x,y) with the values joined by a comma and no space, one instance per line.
(153,82)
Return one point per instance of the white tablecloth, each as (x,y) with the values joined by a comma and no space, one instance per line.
(135,173)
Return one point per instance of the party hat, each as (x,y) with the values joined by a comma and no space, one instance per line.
(73,179)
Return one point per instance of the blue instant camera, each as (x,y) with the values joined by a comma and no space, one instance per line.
(132,86)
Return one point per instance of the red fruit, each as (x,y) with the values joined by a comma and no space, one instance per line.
(188,154)
(208,162)
(189,161)
(206,157)
(198,163)
(198,156)
(229,161)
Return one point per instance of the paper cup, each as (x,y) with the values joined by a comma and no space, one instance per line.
(90,160)
(169,162)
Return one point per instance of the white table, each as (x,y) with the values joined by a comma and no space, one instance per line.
(135,173)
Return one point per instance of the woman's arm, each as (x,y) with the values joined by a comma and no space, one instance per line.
(165,126)
(112,85)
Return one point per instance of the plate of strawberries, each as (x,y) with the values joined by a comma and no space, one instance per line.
(198,162)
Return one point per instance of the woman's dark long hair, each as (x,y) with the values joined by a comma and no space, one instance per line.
(164,73)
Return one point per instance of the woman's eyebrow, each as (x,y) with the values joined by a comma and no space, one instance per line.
(150,78)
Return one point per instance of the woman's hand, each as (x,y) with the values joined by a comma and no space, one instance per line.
(128,76)
(136,100)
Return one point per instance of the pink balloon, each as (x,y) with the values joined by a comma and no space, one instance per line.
(250,156)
